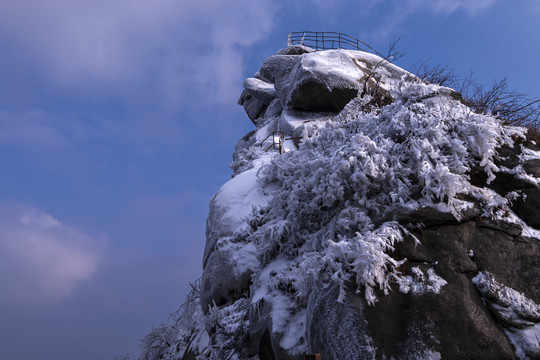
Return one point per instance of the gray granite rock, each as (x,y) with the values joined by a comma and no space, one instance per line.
(453,324)
(255,108)
(277,67)
(260,90)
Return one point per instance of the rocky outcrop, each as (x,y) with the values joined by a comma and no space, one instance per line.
(229,260)
(435,307)
(370,216)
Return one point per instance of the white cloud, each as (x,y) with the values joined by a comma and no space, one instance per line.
(397,11)
(42,261)
(447,7)
(169,48)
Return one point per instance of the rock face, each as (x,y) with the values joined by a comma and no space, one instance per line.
(228,263)
(454,323)
(370,216)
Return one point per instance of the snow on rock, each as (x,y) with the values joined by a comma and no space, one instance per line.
(254,107)
(419,284)
(228,260)
(232,206)
(323,81)
(361,238)
(314,84)
(328,80)
(519,315)
(295,50)
(261,90)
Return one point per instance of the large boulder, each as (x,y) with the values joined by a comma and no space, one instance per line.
(228,260)
(313,85)
(277,67)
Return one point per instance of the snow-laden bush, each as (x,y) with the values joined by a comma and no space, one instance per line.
(184,332)
(331,215)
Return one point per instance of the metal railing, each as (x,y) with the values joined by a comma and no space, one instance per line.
(329,41)
(277,141)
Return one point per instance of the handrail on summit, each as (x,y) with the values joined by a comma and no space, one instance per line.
(328,41)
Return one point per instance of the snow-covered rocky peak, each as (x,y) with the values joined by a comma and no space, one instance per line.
(317,81)
(364,208)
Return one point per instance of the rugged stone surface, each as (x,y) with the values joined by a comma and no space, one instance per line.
(277,67)
(260,90)
(222,283)
(228,261)
(434,309)
(338,330)
(264,340)
(454,323)
(254,107)
(527,205)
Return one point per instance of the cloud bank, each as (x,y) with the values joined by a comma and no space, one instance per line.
(42,261)
(170,47)
(403,9)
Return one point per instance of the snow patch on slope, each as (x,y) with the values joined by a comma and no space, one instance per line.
(238,196)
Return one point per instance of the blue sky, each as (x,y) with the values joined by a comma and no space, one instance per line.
(118,119)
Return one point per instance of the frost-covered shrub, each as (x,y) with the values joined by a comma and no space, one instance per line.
(184,332)
(512,107)
(333,194)
(231,328)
